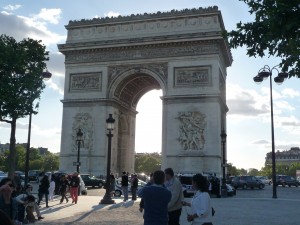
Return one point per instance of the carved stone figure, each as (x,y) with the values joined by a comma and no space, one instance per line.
(191,130)
(85,123)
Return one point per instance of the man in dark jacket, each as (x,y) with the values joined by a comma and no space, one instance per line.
(124,184)
(134,186)
(44,190)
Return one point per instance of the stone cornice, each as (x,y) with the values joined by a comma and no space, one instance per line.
(145,16)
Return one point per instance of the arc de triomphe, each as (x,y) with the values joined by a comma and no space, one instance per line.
(110,63)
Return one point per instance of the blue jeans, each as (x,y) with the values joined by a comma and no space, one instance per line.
(125,192)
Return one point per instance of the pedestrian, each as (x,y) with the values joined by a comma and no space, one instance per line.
(25,204)
(200,203)
(63,188)
(112,186)
(44,190)
(52,188)
(174,206)
(124,184)
(156,198)
(142,200)
(134,186)
(74,185)
(8,204)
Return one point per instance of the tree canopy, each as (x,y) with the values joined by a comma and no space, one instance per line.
(21,82)
(275,32)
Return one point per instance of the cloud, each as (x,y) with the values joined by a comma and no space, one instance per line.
(112,14)
(291,93)
(260,142)
(50,15)
(12,7)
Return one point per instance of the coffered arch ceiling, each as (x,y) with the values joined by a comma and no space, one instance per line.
(132,88)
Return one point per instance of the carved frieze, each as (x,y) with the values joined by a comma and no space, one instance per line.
(192,76)
(148,52)
(85,123)
(191,130)
(161,69)
(150,28)
(86,82)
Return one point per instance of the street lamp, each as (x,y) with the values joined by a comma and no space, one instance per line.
(263,74)
(79,139)
(223,187)
(110,126)
(46,76)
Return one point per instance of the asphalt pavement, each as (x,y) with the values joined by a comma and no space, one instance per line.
(248,207)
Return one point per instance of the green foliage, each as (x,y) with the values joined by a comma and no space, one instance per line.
(147,162)
(253,172)
(21,83)
(275,32)
(232,170)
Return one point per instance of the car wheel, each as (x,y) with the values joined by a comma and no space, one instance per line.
(84,192)
(283,184)
(100,185)
(296,185)
(260,186)
(118,193)
(270,183)
(289,185)
(244,186)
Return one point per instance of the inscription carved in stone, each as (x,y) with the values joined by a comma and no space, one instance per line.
(191,130)
(86,81)
(190,76)
(85,123)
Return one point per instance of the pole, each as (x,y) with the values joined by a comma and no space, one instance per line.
(273,142)
(224,188)
(27,151)
(107,198)
(78,155)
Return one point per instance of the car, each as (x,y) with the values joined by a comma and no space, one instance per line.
(265,179)
(284,180)
(119,191)
(230,190)
(187,188)
(92,181)
(247,182)
(33,175)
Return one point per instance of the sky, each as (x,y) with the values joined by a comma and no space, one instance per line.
(248,119)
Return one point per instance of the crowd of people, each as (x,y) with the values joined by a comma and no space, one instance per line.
(17,205)
(161,199)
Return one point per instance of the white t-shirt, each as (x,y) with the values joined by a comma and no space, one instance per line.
(201,206)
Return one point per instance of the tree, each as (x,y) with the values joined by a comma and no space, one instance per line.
(275,31)
(21,83)
(147,163)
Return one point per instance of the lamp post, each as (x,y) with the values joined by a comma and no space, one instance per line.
(46,76)
(79,140)
(110,126)
(263,74)
(223,187)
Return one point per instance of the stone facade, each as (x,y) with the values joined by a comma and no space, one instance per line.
(112,62)
(286,157)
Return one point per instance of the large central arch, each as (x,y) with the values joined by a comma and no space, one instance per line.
(112,62)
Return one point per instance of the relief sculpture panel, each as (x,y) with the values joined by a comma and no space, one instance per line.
(191,130)
(86,82)
(192,76)
(85,123)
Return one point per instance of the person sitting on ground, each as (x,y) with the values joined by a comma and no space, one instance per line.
(32,205)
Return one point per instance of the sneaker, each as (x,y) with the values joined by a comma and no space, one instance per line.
(40,218)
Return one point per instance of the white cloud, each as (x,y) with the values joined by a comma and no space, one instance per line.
(291,93)
(11,7)
(49,15)
(112,14)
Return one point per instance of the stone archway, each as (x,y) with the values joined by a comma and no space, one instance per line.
(112,62)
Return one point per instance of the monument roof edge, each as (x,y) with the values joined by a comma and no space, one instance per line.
(134,17)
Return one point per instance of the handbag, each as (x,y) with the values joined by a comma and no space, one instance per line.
(213,211)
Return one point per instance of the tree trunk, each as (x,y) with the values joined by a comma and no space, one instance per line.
(12,150)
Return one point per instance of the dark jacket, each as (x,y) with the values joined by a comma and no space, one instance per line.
(44,186)
(124,181)
(75,181)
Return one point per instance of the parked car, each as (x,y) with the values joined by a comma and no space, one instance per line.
(187,188)
(33,175)
(247,182)
(265,179)
(92,181)
(119,191)
(284,180)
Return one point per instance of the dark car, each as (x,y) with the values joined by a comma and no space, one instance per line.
(247,182)
(92,181)
(33,175)
(284,180)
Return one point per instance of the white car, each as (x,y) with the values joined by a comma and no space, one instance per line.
(119,191)
(265,179)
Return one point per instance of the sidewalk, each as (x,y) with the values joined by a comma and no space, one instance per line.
(229,211)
